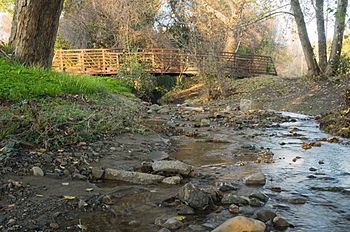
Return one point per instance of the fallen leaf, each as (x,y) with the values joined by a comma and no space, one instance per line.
(89,189)
(67,197)
(180,218)
(65,183)
(39,195)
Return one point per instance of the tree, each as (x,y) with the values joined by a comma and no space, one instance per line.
(338,37)
(322,41)
(323,67)
(34,30)
(311,62)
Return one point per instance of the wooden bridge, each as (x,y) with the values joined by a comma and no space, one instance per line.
(161,61)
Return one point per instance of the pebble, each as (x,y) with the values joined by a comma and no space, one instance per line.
(234,209)
(312,169)
(11,222)
(54,226)
(172,224)
(298,201)
(37,171)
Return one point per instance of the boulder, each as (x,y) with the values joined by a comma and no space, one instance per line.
(172,166)
(241,224)
(132,177)
(193,196)
(255,179)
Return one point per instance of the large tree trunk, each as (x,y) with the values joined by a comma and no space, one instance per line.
(322,41)
(338,37)
(34,30)
(304,39)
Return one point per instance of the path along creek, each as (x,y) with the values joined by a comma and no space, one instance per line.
(308,187)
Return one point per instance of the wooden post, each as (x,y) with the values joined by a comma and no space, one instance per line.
(82,61)
(61,60)
(103,60)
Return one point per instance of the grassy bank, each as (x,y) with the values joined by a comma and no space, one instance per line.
(43,108)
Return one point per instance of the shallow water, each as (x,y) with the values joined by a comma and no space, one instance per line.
(323,211)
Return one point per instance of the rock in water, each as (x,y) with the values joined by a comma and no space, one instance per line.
(241,224)
(37,171)
(172,166)
(280,223)
(265,215)
(193,196)
(132,177)
(255,179)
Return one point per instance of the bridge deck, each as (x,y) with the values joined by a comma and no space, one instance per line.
(160,61)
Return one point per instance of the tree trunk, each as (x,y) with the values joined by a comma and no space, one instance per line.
(230,43)
(322,41)
(311,62)
(34,30)
(338,37)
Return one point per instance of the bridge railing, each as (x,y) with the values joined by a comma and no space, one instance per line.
(171,61)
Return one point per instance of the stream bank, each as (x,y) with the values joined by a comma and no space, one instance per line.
(305,175)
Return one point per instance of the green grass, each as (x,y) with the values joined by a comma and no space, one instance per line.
(19,82)
(49,109)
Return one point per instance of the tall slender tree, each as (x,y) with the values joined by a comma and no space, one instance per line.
(34,30)
(322,41)
(338,37)
(311,62)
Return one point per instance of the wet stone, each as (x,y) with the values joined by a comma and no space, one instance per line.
(172,224)
(298,200)
(193,196)
(265,215)
(232,198)
(183,209)
(280,223)
(256,179)
(312,169)
(255,202)
(260,196)
(224,187)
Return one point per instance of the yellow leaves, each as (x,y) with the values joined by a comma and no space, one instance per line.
(180,218)
(89,190)
(69,198)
